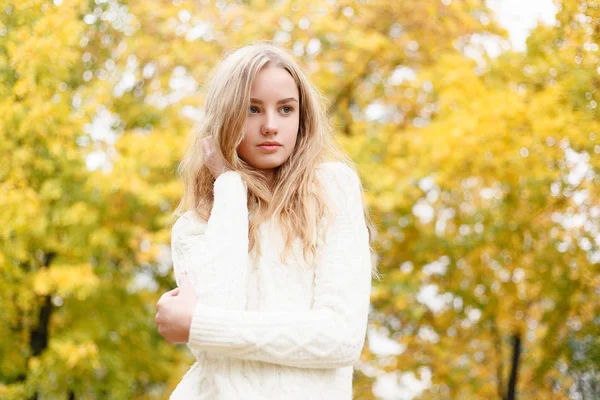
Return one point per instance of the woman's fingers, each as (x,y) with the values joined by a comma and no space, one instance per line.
(166,295)
(208,145)
(212,158)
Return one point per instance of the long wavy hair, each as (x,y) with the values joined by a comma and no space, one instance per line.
(295,198)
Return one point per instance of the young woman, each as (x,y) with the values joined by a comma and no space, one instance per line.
(271,249)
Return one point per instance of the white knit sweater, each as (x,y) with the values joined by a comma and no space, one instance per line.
(264,330)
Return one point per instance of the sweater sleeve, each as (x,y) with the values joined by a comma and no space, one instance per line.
(329,335)
(214,253)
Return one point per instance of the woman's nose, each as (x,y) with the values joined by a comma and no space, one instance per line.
(269,125)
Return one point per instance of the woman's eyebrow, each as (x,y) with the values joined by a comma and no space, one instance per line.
(257,101)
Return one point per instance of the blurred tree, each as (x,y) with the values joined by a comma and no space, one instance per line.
(73,320)
(489,219)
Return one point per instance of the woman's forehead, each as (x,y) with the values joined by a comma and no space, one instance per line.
(273,84)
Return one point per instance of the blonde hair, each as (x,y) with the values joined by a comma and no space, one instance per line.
(295,190)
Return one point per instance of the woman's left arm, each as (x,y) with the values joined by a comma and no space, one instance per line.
(329,335)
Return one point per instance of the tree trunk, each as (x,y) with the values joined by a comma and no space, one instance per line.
(38,341)
(39,336)
(512,383)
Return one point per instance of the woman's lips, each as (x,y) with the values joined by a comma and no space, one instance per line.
(270,147)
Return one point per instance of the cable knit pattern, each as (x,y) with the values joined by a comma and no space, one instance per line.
(263,330)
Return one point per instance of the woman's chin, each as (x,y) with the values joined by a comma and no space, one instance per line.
(266,164)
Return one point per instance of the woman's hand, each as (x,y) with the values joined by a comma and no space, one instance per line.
(212,158)
(175,310)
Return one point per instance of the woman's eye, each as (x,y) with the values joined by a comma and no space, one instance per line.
(287,109)
(253,109)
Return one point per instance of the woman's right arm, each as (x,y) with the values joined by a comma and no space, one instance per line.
(214,253)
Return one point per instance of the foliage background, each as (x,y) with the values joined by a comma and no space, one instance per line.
(481,173)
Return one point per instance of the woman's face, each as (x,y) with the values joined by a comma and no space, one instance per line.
(271,127)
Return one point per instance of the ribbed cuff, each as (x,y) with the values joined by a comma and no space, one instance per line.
(208,329)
